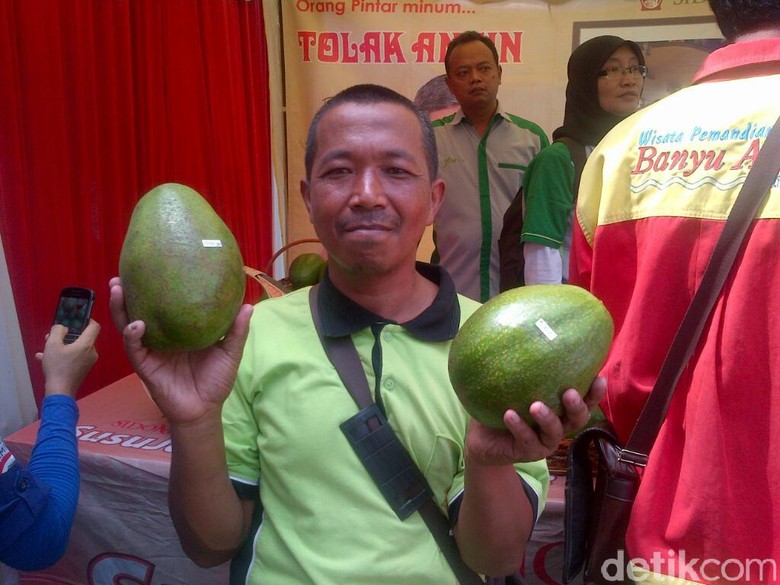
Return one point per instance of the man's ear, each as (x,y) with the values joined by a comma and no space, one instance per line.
(437,198)
(306,196)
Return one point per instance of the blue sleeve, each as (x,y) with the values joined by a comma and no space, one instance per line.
(37,504)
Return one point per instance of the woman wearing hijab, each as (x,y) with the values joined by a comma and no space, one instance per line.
(606,77)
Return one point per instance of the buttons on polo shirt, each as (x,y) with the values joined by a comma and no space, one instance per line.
(389,384)
(387,335)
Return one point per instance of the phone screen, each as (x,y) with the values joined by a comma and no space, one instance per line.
(73,311)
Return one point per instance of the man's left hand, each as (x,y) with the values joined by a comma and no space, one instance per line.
(520,442)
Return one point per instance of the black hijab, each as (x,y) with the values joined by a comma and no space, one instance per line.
(584,120)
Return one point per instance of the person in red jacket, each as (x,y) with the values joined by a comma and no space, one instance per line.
(652,202)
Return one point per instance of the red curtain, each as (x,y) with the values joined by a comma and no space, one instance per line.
(100,101)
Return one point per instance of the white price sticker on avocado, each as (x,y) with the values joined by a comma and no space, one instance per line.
(546,330)
(212,243)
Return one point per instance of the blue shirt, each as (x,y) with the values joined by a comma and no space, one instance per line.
(38,503)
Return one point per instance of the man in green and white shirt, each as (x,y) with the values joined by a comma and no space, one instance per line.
(483,154)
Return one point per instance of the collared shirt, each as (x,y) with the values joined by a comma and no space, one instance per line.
(282,434)
(439,322)
(482,176)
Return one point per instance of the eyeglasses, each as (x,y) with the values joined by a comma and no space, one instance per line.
(616,73)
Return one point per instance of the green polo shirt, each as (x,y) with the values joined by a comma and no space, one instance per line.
(549,197)
(324,521)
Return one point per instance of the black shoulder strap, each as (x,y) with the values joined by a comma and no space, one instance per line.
(343,355)
(757,184)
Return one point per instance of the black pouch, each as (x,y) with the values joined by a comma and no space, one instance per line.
(596,517)
(387,461)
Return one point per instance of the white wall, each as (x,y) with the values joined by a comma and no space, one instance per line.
(17,404)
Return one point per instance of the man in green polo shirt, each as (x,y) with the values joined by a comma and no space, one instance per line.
(255,418)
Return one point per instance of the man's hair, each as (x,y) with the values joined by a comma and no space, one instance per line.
(434,95)
(468,36)
(737,17)
(370,94)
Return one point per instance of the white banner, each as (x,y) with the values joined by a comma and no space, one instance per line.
(329,45)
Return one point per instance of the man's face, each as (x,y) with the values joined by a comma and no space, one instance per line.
(370,195)
(474,75)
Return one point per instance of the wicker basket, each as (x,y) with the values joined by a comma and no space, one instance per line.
(273,287)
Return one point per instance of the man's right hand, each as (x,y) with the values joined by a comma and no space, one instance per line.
(185,385)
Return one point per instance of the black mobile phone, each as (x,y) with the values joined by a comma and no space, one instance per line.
(74,309)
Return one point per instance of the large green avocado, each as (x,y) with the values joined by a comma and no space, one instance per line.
(181,270)
(527,344)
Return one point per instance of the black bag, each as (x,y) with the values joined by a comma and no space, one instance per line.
(510,247)
(596,518)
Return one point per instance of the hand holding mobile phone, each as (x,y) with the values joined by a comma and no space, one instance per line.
(74,309)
